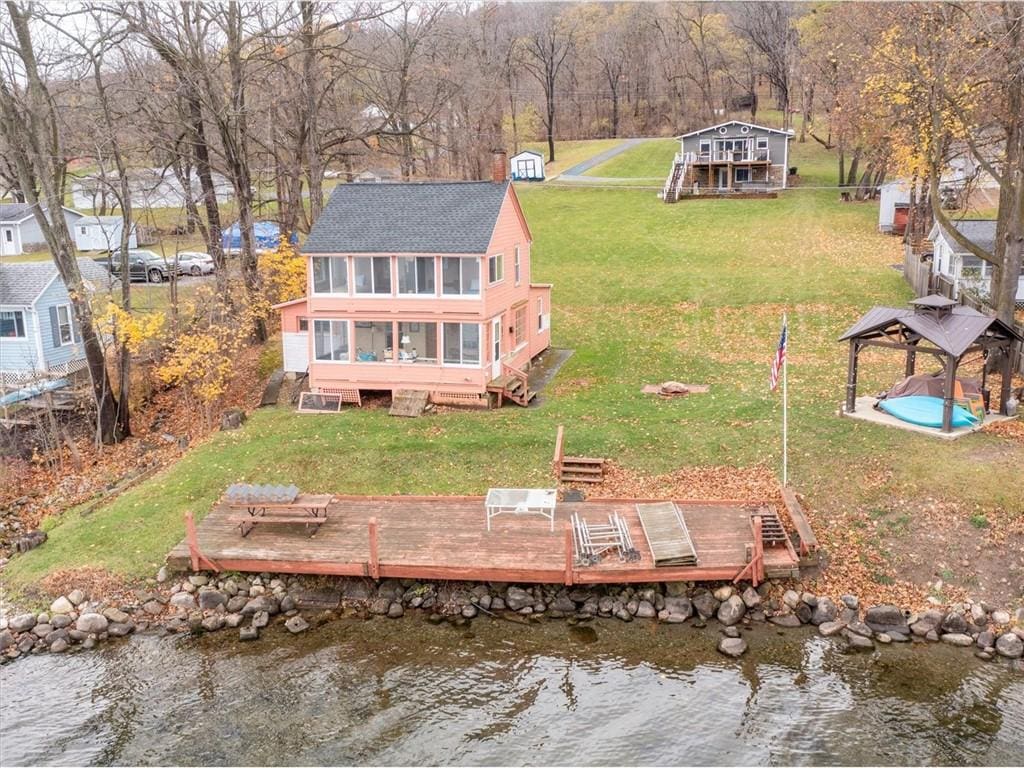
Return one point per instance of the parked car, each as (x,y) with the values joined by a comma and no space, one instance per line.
(144,266)
(195,263)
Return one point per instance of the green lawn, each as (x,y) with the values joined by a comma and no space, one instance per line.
(650,161)
(568,153)
(644,292)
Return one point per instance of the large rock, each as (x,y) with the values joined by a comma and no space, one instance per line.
(296,624)
(261,603)
(645,610)
(724,593)
(791,598)
(856,642)
(116,615)
(824,612)
(929,621)
(22,623)
(61,605)
(213,623)
(232,418)
(677,609)
(395,610)
(260,619)
(6,640)
(236,604)
(886,618)
(1010,646)
(211,599)
(731,611)
(517,598)
(803,611)
(248,633)
(750,598)
(94,623)
(956,624)
(357,590)
(120,629)
(732,646)
(183,600)
(830,628)
(785,620)
(705,604)
(1000,617)
(958,638)
(379,606)
(62,620)
(60,645)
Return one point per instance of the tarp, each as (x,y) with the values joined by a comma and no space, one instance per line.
(268,236)
(929,385)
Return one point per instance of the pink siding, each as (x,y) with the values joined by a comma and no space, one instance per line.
(499,299)
(290,314)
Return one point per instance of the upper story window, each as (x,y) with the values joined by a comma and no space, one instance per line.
(372,274)
(460,276)
(12,324)
(330,274)
(496,268)
(762,142)
(65,331)
(416,276)
(517,265)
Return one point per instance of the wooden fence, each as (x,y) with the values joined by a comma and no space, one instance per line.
(919,276)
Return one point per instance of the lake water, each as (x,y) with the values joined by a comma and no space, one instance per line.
(407,692)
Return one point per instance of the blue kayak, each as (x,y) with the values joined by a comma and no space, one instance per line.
(925,411)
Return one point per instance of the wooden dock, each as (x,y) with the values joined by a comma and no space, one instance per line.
(445,538)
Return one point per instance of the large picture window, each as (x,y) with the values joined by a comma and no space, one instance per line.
(374,342)
(330,338)
(12,325)
(372,274)
(461,344)
(330,274)
(416,276)
(417,343)
(460,276)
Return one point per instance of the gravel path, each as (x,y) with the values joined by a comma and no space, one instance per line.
(578,170)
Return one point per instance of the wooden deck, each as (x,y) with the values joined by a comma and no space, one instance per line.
(446,538)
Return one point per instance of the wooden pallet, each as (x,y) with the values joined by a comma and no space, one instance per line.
(666,534)
(409,402)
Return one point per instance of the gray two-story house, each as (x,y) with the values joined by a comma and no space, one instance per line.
(728,158)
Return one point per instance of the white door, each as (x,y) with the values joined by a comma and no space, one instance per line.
(296,351)
(496,347)
(723,178)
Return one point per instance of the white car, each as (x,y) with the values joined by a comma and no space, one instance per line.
(195,263)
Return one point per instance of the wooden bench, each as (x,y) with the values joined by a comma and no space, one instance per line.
(309,510)
(808,541)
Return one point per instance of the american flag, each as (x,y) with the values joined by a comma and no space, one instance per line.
(780,356)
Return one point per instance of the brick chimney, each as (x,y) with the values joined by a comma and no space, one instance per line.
(499,165)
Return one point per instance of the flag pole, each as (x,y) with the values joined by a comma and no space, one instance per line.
(785,408)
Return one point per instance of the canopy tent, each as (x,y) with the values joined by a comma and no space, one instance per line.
(936,326)
(267,234)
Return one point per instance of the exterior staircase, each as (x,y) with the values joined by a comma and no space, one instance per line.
(513,385)
(575,469)
(679,178)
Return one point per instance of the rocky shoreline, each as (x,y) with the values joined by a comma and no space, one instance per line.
(248,604)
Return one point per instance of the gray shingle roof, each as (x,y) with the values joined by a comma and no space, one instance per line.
(14,211)
(443,217)
(21,282)
(982,232)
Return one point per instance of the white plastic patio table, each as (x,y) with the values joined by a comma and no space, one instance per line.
(521,501)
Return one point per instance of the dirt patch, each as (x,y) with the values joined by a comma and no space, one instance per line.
(754,484)
(95,582)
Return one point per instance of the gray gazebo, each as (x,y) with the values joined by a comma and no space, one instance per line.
(936,326)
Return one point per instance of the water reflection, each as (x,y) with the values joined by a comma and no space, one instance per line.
(385,692)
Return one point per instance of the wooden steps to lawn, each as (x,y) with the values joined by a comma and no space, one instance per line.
(511,385)
(575,469)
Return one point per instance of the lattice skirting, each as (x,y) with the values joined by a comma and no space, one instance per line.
(470,399)
(347,394)
(21,378)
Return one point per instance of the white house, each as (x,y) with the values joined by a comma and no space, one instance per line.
(101,233)
(19,231)
(894,207)
(527,166)
(962,268)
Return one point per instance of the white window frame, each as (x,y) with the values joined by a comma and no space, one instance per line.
(60,326)
(462,294)
(13,312)
(348,340)
(330,276)
(373,292)
(540,314)
(416,276)
(9,234)
(444,346)
(517,265)
(762,142)
(525,309)
(745,170)
(497,259)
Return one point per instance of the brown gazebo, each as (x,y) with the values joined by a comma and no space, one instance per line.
(936,326)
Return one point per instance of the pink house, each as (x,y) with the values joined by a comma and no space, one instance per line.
(420,286)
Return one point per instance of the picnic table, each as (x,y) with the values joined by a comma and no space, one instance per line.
(521,501)
(308,509)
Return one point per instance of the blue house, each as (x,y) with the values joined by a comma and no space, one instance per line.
(39,336)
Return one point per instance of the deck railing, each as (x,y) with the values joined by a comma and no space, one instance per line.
(734,156)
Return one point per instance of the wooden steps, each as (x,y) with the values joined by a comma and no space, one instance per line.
(511,385)
(772,531)
(575,469)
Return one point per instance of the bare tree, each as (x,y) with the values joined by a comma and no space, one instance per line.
(30,126)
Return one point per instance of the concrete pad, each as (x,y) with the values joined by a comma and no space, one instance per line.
(865,411)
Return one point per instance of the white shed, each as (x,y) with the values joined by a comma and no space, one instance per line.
(527,166)
(895,196)
(101,233)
